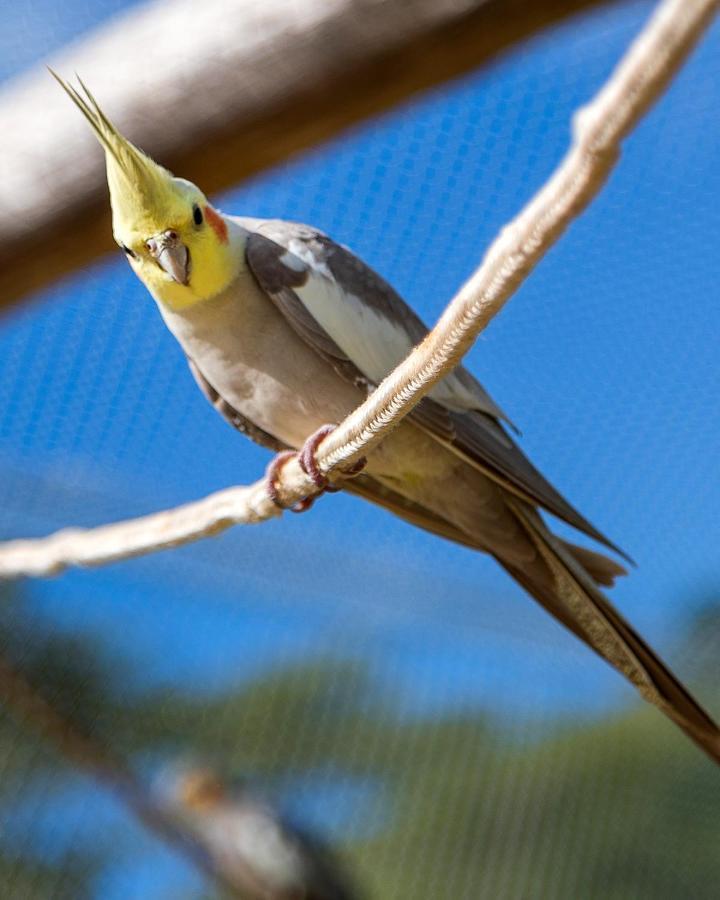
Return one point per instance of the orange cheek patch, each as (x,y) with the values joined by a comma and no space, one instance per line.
(217,224)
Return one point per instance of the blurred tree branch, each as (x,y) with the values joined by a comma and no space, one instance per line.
(33,711)
(220,91)
(65,708)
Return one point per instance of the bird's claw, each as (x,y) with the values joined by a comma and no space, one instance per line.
(308,463)
(308,460)
(272,473)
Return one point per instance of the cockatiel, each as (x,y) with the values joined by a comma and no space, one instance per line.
(285,331)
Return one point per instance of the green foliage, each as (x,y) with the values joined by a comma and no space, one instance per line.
(455,807)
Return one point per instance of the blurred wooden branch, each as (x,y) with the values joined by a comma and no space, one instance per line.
(598,131)
(218,91)
(89,755)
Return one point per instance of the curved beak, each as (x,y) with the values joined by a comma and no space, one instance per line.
(171,254)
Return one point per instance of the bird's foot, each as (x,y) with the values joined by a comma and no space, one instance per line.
(308,460)
(272,474)
(308,463)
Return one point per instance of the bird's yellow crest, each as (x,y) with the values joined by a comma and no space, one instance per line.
(177,243)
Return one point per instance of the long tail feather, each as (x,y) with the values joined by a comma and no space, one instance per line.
(563,581)
(566,590)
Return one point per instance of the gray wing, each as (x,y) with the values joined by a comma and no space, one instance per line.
(356,321)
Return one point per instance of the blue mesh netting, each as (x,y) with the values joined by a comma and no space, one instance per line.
(607,361)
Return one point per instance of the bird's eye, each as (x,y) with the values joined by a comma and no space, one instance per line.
(127,250)
(197,215)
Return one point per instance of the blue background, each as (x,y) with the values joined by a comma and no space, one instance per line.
(606,359)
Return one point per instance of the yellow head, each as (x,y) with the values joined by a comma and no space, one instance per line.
(176,242)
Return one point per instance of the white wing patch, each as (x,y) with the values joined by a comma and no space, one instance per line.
(291,261)
(372,341)
(301,250)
